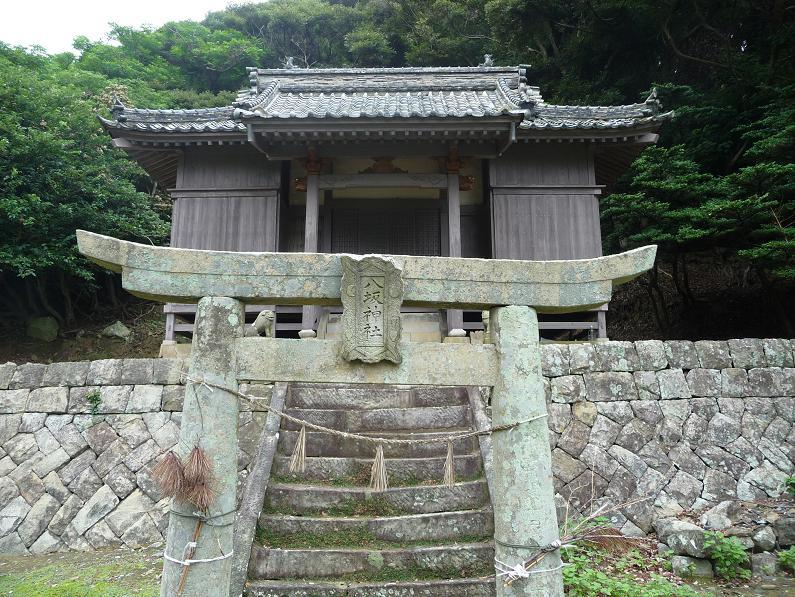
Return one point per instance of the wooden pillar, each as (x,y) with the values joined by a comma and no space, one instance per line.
(455,317)
(601,318)
(311,231)
(209,421)
(524,506)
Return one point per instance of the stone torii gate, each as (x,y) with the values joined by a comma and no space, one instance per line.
(371,289)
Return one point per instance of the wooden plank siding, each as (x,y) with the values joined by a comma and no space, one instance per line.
(544,203)
(226,199)
(226,223)
(542,227)
(227,168)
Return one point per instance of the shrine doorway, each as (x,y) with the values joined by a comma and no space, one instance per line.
(391,227)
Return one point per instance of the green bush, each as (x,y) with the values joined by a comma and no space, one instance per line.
(728,556)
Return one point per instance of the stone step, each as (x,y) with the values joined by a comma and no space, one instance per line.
(465,587)
(348,397)
(439,526)
(383,419)
(310,499)
(320,443)
(357,470)
(269,563)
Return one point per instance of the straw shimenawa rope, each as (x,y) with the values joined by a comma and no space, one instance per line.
(449,466)
(378,476)
(367,438)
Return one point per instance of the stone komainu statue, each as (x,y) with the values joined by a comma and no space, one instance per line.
(264,325)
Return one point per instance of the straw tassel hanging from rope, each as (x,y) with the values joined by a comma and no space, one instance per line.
(199,486)
(378,478)
(191,481)
(298,459)
(169,475)
(449,466)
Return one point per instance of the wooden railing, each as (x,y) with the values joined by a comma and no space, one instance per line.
(179,319)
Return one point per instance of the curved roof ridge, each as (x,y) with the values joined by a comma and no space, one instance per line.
(647,105)
(251,100)
(383,70)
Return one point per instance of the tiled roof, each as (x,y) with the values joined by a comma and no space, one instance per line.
(551,116)
(387,93)
(170,121)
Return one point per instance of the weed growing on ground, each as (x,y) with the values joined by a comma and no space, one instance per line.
(728,556)
(362,479)
(592,571)
(371,505)
(414,573)
(97,574)
(786,559)
(353,538)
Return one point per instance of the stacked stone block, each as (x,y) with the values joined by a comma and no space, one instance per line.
(78,442)
(684,424)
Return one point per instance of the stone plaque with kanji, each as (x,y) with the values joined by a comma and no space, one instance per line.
(372,291)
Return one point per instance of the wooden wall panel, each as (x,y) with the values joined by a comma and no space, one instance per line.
(546,226)
(226,199)
(543,164)
(226,223)
(544,203)
(227,168)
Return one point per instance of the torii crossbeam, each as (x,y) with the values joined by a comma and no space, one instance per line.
(524,510)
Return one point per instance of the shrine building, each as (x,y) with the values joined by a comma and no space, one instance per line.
(450,161)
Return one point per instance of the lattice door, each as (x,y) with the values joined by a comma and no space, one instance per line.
(387,230)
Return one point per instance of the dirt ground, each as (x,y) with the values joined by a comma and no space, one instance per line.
(84,342)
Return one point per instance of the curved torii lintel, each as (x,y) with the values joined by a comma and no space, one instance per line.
(185,275)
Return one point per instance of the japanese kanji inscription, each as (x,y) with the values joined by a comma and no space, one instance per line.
(372,291)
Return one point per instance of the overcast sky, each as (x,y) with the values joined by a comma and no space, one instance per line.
(53,24)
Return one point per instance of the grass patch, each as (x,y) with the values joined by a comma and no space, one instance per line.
(96,574)
(349,538)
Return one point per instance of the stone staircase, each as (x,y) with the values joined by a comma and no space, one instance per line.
(324,533)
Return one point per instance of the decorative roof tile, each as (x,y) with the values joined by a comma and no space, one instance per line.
(387,93)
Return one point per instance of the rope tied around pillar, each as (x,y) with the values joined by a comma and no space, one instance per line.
(188,559)
(524,569)
(204,517)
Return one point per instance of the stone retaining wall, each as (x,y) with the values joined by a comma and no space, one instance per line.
(78,442)
(686,423)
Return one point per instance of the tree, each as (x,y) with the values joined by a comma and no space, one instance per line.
(59,174)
